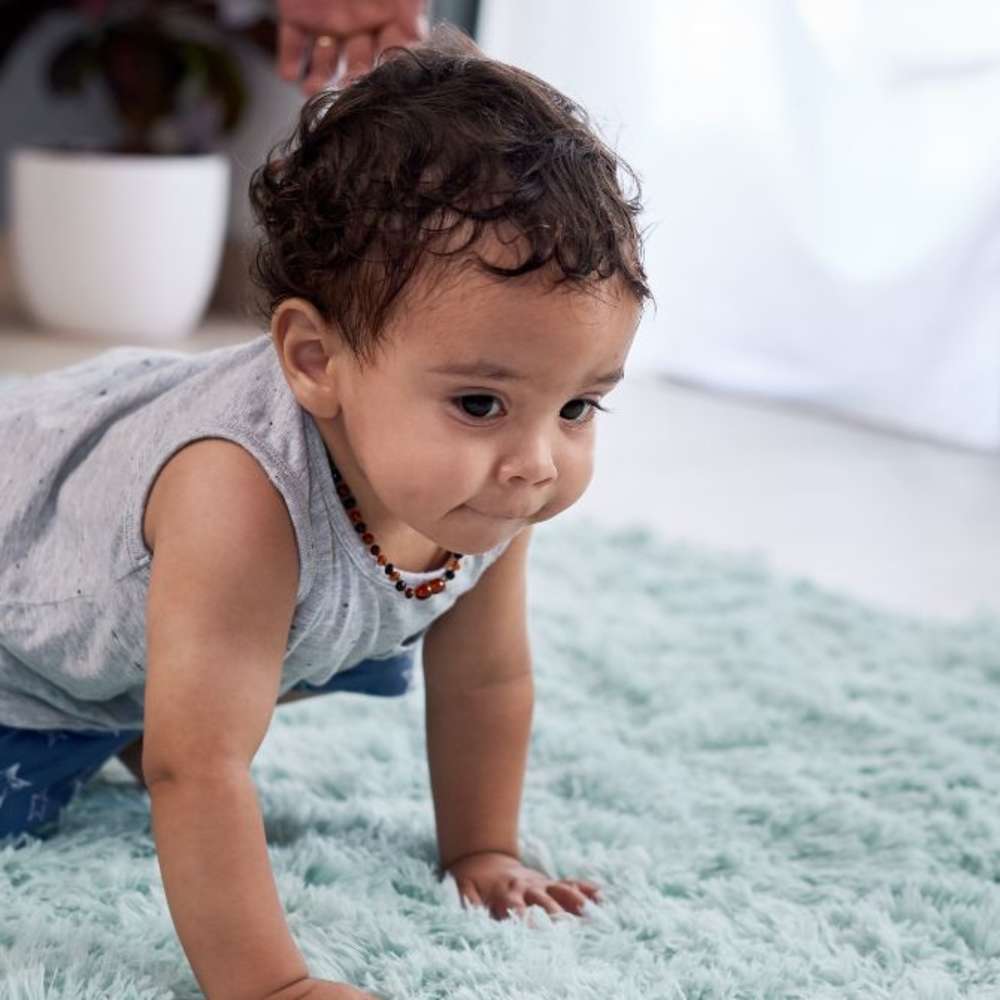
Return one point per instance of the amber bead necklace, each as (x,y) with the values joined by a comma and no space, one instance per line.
(421,591)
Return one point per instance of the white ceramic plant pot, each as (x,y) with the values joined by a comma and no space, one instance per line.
(115,245)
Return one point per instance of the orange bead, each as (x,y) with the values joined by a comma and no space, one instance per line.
(368,538)
(382,560)
(437,585)
(394,575)
(423,592)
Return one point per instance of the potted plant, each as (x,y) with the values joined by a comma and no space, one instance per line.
(126,240)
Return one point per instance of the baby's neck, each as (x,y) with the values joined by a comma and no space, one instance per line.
(405,548)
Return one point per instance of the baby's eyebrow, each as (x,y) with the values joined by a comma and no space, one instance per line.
(495,370)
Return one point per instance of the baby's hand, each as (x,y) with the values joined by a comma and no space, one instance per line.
(500,882)
(321,989)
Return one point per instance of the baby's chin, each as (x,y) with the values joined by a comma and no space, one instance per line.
(472,533)
(482,532)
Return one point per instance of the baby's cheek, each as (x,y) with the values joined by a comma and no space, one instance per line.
(574,478)
(583,471)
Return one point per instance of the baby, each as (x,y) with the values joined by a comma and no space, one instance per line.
(453,282)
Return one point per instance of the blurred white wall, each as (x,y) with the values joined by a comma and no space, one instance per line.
(823,182)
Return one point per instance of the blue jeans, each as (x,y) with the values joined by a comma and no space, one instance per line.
(42,770)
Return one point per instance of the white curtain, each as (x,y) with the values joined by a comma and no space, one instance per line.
(822,179)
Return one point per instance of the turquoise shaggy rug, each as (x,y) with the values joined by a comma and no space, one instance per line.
(782,792)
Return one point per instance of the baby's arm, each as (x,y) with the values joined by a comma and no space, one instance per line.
(479,700)
(479,707)
(221,598)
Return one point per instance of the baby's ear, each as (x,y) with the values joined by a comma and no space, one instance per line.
(310,353)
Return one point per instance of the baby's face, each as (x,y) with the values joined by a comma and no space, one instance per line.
(435,441)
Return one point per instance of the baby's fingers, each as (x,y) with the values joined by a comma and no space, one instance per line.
(589,888)
(549,899)
(502,902)
(467,891)
(571,899)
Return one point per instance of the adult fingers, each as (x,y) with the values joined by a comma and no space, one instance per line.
(390,37)
(323,63)
(343,17)
(410,27)
(359,51)
(411,17)
(293,44)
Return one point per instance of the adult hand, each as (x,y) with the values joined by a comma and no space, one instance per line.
(350,31)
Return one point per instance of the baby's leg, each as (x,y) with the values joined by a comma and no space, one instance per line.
(41,772)
(131,757)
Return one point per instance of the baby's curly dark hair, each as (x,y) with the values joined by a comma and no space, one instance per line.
(436,141)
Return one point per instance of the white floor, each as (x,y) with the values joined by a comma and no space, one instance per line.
(909,525)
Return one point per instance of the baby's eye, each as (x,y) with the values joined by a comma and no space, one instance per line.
(591,407)
(478,406)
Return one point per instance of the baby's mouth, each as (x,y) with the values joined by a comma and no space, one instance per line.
(498,517)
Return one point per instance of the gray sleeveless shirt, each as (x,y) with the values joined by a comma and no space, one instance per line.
(80,448)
